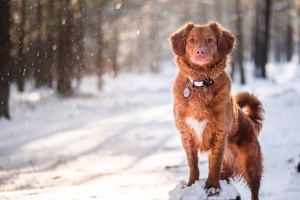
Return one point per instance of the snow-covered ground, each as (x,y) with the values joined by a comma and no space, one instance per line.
(122,143)
(196,191)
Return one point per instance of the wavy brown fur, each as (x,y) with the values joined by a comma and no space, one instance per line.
(253,106)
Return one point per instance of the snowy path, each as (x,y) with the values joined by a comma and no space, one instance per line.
(114,155)
(122,143)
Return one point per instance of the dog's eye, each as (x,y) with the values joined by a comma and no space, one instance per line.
(209,40)
(192,40)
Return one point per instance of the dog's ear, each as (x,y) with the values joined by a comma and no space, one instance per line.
(225,39)
(178,38)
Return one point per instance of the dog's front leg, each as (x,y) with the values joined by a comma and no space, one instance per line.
(215,160)
(191,151)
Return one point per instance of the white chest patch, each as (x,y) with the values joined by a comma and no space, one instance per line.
(198,126)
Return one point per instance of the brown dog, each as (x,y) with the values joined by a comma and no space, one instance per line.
(208,117)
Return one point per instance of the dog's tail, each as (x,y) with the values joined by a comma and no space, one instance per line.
(252,107)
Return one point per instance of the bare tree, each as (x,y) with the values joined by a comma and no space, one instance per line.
(262,36)
(21,63)
(4,58)
(51,41)
(289,35)
(113,43)
(80,17)
(110,34)
(154,25)
(100,38)
(64,67)
(43,71)
(298,6)
(239,52)
(41,66)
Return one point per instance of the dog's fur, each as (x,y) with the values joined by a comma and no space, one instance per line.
(211,119)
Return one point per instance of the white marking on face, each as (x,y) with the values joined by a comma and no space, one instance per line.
(196,125)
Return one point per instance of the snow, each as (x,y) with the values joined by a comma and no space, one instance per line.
(122,143)
(196,191)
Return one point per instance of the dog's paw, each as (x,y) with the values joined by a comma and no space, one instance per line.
(212,191)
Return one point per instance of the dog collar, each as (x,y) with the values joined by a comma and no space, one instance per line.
(205,82)
(197,83)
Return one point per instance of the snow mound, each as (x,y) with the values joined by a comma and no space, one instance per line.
(197,192)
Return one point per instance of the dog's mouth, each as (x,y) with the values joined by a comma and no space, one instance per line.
(200,60)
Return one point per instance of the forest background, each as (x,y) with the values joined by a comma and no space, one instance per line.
(56,43)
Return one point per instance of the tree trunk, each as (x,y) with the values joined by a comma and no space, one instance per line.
(100,63)
(4,58)
(21,68)
(277,42)
(289,35)
(39,65)
(233,67)
(42,68)
(257,49)
(64,56)
(154,60)
(79,52)
(153,36)
(266,43)
(114,44)
(141,45)
(239,52)
(289,52)
(50,47)
(114,47)
(114,41)
(262,37)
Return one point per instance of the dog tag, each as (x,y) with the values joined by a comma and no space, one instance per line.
(186,92)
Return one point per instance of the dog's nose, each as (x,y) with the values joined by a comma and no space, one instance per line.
(200,51)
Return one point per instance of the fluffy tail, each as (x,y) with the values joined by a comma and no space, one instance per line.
(252,107)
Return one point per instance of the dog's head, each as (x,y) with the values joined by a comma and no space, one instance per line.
(202,44)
